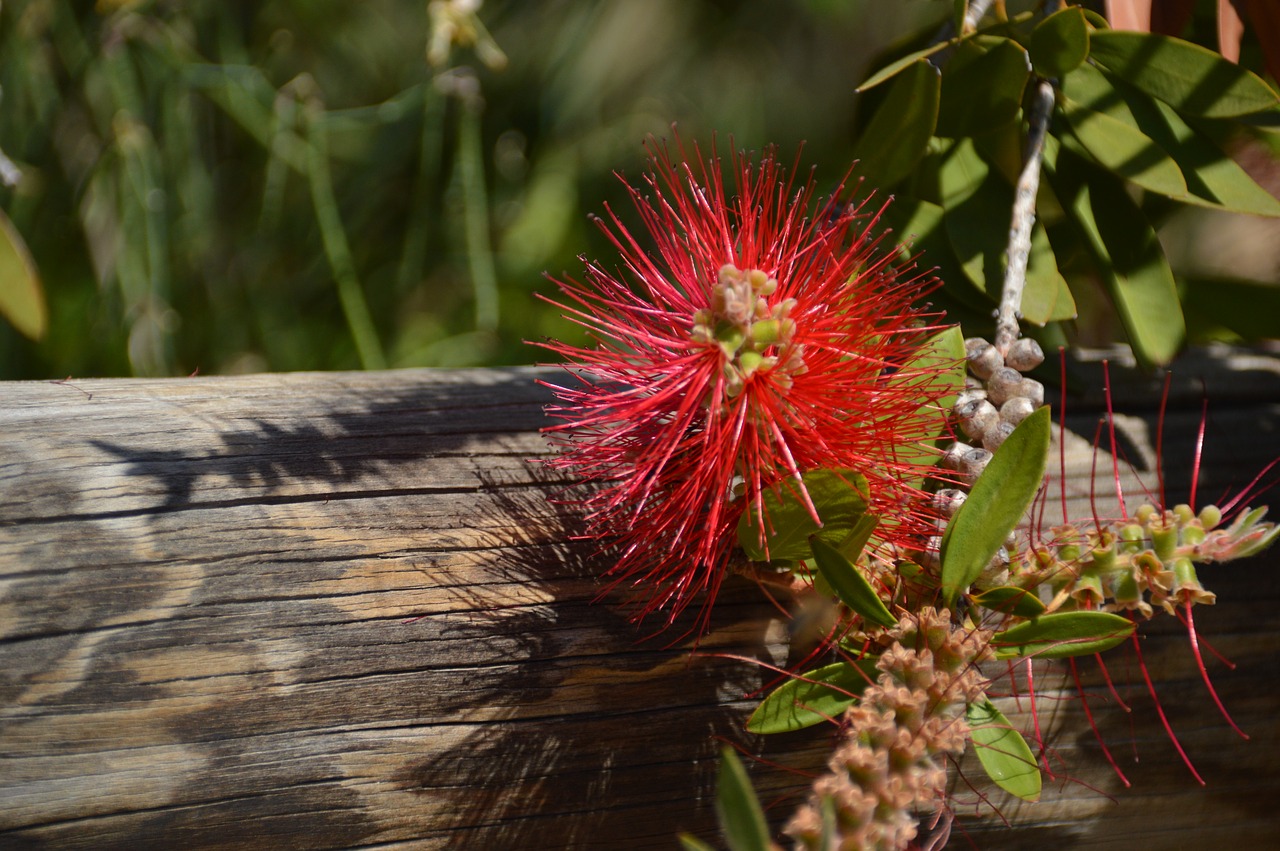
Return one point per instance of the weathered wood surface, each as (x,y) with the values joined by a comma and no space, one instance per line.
(337,610)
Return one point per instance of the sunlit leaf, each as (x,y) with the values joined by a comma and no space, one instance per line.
(1212,178)
(936,373)
(1124,150)
(981,89)
(815,696)
(741,817)
(840,497)
(1190,78)
(1003,752)
(1046,297)
(1059,43)
(919,224)
(996,504)
(850,585)
(894,68)
(899,132)
(21,296)
(978,228)
(1059,635)
(1010,601)
(1128,257)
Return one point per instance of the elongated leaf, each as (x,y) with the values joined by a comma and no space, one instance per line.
(919,226)
(690,842)
(1212,178)
(1191,79)
(1046,298)
(21,296)
(850,585)
(894,68)
(1003,752)
(995,505)
(978,228)
(982,88)
(1129,258)
(815,696)
(1059,635)
(1060,43)
(899,132)
(1010,601)
(1124,150)
(1248,308)
(741,817)
(935,374)
(840,497)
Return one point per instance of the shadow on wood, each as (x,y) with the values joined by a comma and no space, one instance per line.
(338,610)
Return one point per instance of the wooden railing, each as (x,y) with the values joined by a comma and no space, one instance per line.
(338,610)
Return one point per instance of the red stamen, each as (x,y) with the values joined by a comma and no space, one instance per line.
(1097,734)
(1168,728)
(1204,673)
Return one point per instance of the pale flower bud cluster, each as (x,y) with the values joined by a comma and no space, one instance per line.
(888,771)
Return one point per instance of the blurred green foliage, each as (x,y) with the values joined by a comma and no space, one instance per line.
(290,184)
(285,185)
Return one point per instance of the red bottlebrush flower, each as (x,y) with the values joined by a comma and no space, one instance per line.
(755,344)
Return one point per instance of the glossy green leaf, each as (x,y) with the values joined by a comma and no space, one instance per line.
(899,132)
(1190,78)
(815,696)
(1046,298)
(919,226)
(1248,308)
(1212,178)
(21,296)
(981,88)
(741,817)
(1060,43)
(1129,259)
(1124,150)
(897,66)
(1003,752)
(850,585)
(840,498)
(978,228)
(996,504)
(1010,601)
(1059,635)
(936,372)
(960,173)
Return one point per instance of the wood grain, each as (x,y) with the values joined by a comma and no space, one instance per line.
(338,611)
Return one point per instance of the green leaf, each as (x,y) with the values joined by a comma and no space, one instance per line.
(893,68)
(996,504)
(922,223)
(741,817)
(961,172)
(1059,635)
(899,132)
(1212,178)
(978,228)
(1123,150)
(1129,259)
(1190,78)
(982,89)
(689,842)
(1046,298)
(1248,308)
(935,373)
(813,697)
(850,585)
(1060,43)
(1010,601)
(1003,752)
(21,296)
(840,497)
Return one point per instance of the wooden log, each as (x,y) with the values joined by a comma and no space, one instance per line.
(338,611)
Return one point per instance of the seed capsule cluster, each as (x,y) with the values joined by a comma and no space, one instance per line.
(997,396)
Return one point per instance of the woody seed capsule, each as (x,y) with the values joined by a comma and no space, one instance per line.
(1004,384)
(976,417)
(973,462)
(1016,410)
(983,357)
(1024,354)
(996,435)
(1033,390)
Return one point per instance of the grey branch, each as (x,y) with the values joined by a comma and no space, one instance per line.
(1024,218)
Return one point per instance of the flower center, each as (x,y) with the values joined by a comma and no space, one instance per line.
(752,336)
